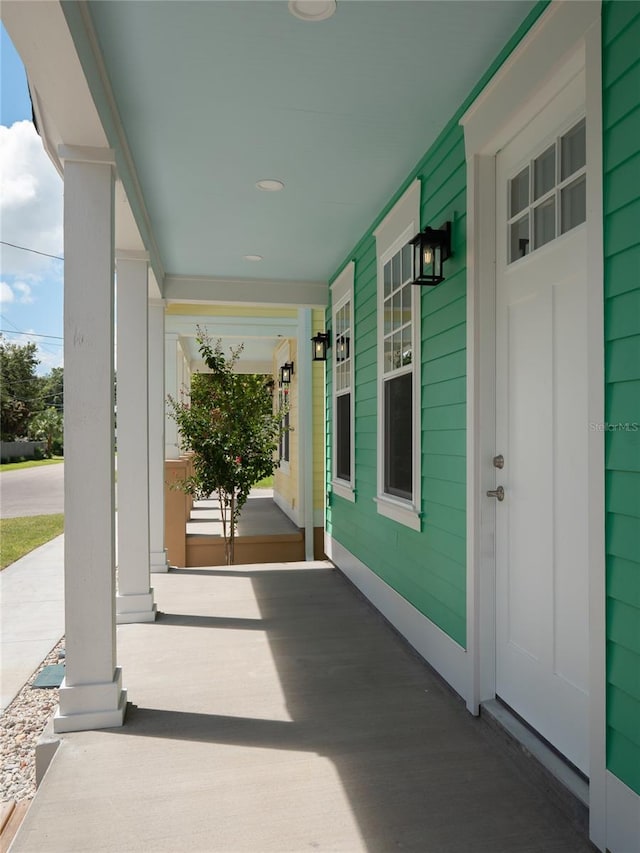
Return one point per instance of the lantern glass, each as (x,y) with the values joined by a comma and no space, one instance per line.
(285,373)
(430,248)
(320,346)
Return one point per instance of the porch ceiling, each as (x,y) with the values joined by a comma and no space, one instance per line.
(214,96)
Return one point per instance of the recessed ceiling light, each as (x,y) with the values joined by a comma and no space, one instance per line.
(253,257)
(270,185)
(312,10)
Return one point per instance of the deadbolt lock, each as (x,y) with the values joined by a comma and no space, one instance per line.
(498,461)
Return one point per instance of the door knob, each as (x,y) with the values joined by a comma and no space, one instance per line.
(496,493)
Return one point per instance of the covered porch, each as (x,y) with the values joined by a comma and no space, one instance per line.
(275,710)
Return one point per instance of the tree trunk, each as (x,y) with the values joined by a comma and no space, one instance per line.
(223,509)
(232,533)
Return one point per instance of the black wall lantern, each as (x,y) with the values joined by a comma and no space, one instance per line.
(286,372)
(430,248)
(342,348)
(321,343)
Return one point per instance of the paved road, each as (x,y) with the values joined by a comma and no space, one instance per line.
(32,491)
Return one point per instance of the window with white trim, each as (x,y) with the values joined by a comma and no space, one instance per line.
(397,374)
(342,349)
(283,449)
(399,364)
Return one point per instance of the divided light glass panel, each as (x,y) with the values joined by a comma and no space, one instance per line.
(342,362)
(547,197)
(342,330)
(397,333)
(398,374)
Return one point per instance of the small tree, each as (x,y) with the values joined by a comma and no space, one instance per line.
(229,425)
(47,426)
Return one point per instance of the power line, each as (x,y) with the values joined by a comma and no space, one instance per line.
(31,334)
(33,251)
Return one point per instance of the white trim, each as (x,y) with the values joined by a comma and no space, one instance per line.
(623,817)
(339,488)
(396,229)
(404,211)
(566,37)
(538,62)
(243,327)
(287,509)
(87,154)
(441,652)
(341,293)
(403,512)
(599,801)
(205,289)
(305,428)
(342,285)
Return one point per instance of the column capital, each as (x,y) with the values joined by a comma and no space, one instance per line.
(86,154)
(132,255)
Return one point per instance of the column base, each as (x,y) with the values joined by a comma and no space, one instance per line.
(159,562)
(135,608)
(91,706)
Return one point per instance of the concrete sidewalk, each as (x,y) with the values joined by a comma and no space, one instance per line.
(274,710)
(31,614)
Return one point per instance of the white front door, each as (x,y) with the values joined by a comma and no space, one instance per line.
(542,426)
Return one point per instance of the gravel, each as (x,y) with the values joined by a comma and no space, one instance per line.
(21,725)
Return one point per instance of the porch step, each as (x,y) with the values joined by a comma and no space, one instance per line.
(11,817)
(203,550)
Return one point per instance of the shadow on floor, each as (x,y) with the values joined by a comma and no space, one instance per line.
(418,771)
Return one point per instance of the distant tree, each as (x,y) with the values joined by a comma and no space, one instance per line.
(52,389)
(229,425)
(19,388)
(47,426)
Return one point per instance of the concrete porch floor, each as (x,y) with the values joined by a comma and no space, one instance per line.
(274,710)
(260,516)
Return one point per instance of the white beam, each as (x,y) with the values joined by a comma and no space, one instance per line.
(232,291)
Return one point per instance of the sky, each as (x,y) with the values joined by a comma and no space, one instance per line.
(31,285)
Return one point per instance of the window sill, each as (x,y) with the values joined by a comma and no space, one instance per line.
(401,511)
(343,490)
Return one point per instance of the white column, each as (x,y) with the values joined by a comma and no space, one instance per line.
(305,427)
(91,695)
(158,553)
(173,378)
(134,601)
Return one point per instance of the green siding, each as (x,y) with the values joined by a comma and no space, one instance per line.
(428,568)
(621,121)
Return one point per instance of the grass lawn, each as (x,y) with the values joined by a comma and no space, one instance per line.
(18,536)
(266,483)
(31,463)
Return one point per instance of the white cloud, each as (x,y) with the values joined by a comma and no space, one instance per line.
(30,204)
(25,292)
(19,291)
(6,294)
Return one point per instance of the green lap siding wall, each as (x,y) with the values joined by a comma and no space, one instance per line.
(428,568)
(621,126)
